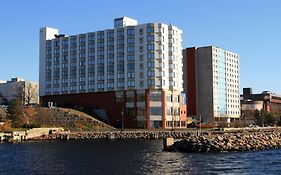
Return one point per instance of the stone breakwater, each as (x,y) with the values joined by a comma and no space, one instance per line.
(118,135)
(229,142)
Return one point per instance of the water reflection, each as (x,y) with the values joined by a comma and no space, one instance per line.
(128,157)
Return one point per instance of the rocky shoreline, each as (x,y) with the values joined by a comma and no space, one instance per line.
(229,142)
(116,135)
(188,140)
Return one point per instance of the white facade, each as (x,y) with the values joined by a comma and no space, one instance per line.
(226,83)
(128,57)
(217,82)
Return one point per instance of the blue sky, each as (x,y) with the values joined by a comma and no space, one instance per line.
(251,28)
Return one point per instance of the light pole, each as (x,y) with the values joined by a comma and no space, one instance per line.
(200,125)
(122,119)
(27,121)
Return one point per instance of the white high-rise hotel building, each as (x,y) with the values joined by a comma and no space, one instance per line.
(140,64)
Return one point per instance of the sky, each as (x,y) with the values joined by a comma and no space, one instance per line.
(250,28)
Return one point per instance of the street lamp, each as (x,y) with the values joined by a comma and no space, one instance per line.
(27,121)
(200,125)
(122,119)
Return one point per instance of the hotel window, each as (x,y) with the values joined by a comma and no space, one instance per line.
(120,67)
(100,61)
(100,69)
(49,44)
(81,63)
(141,66)
(110,76)
(120,58)
(110,51)
(150,47)
(141,84)
(73,88)
(130,111)
(131,40)
(150,64)
(91,54)
(150,73)
(57,43)
(110,35)
(120,75)
(169,111)
(150,29)
(110,85)
(156,96)
(141,111)
(110,68)
(100,44)
(130,57)
(100,85)
(91,86)
(110,43)
(100,36)
(131,74)
(100,52)
(100,77)
(91,46)
(151,82)
(82,47)
(82,55)
(73,40)
(110,59)
(141,40)
(131,66)
(176,111)
(140,97)
(141,48)
(131,83)
(150,38)
(120,33)
(120,50)
(81,79)
(150,56)
(130,98)
(130,31)
(130,49)
(65,42)
(91,78)
(81,87)
(82,39)
(155,110)
(91,37)
(72,80)
(120,42)
(141,31)
(120,84)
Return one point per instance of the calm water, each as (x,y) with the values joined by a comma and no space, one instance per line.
(128,157)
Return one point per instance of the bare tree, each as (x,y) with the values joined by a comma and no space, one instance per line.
(28,93)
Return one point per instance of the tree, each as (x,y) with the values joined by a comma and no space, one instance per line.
(258,117)
(269,119)
(15,113)
(28,93)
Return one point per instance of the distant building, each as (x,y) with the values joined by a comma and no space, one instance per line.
(266,101)
(131,73)
(211,82)
(18,88)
